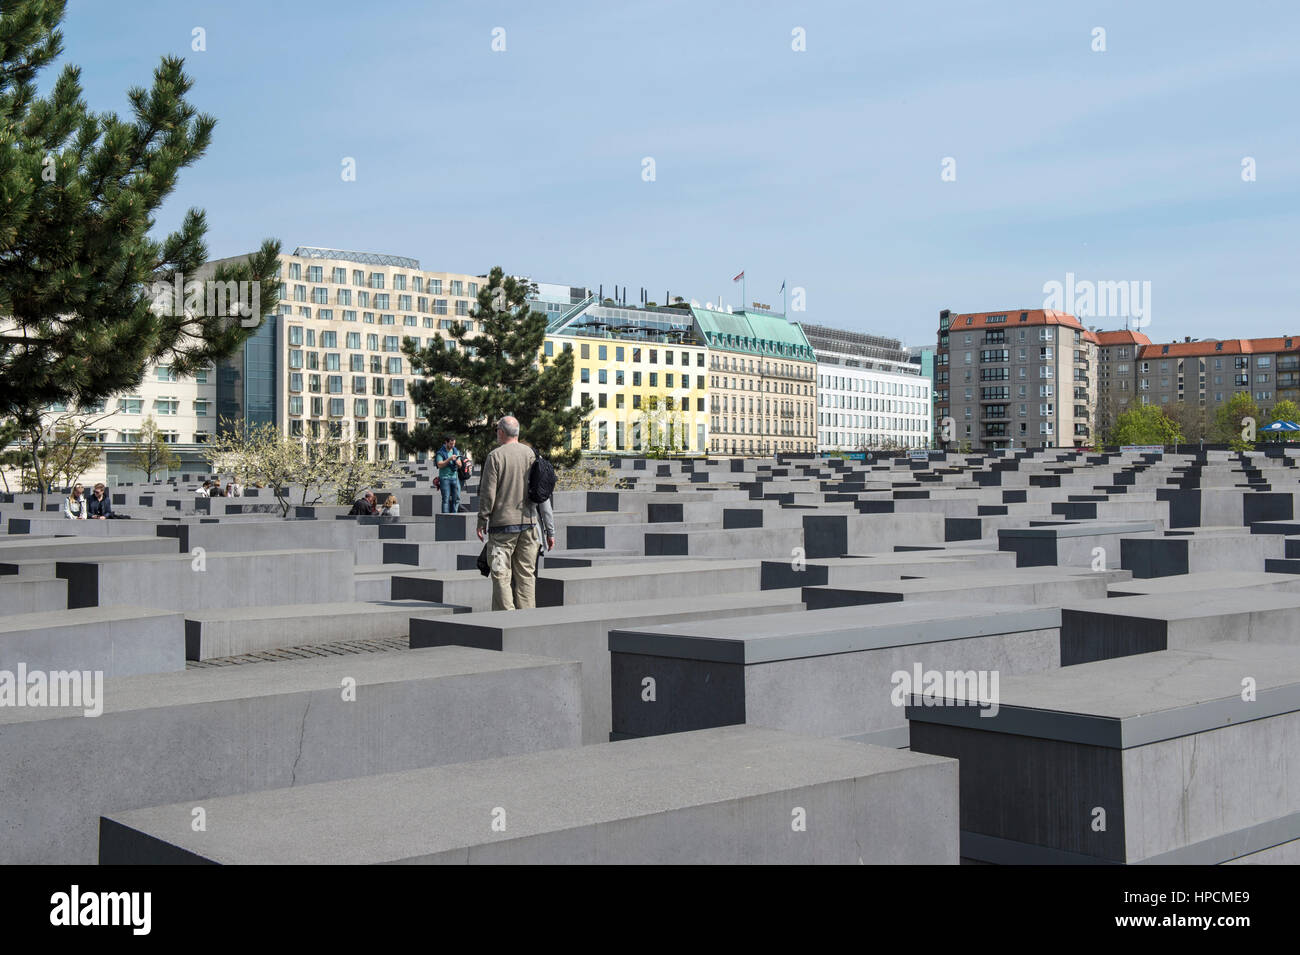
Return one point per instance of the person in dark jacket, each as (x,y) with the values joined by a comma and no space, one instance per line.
(99,507)
(364,506)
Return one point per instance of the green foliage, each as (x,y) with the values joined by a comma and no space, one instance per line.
(1145,424)
(260,453)
(152,454)
(60,454)
(500,371)
(664,430)
(1285,410)
(80,191)
(587,475)
(1228,422)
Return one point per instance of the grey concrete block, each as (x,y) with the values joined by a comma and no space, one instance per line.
(581,632)
(643,580)
(211,580)
(1027,585)
(726,796)
(1124,626)
(22,594)
(822,672)
(115,641)
(208,733)
(1186,767)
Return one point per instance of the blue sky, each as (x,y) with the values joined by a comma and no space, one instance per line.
(820,168)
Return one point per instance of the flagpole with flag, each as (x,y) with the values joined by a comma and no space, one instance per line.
(741,279)
(783,297)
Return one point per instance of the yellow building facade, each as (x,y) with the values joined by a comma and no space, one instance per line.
(647,396)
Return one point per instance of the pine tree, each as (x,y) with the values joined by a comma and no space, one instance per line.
(78,269)
(500,371)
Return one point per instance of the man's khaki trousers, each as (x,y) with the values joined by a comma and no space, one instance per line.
(513,559)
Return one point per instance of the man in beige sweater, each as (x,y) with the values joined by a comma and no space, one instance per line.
(509,519)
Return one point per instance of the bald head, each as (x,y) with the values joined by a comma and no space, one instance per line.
(508,429)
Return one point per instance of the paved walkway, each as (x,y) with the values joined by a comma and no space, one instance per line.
(342,648)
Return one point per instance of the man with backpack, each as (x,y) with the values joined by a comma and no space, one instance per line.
(514,480)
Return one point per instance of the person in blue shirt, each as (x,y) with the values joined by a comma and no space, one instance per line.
(449,459)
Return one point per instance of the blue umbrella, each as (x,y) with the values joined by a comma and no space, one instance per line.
(1282,426)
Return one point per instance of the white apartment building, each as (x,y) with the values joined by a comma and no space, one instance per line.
(184,410)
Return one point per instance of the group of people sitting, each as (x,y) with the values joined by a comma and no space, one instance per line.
(367,505)
(213,489)
(78,507)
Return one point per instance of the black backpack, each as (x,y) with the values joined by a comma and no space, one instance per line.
(541,480)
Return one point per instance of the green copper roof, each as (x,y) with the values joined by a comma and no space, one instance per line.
(753,333)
